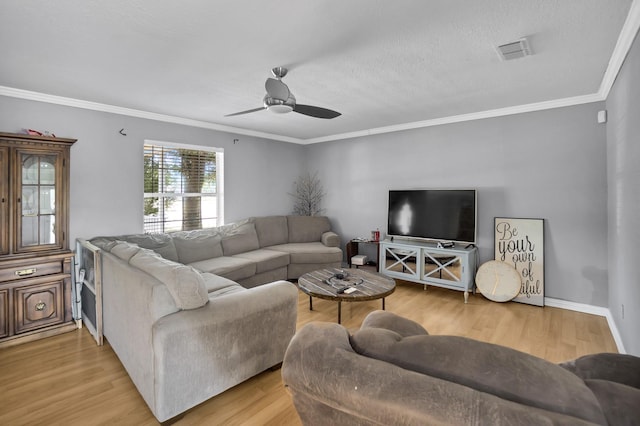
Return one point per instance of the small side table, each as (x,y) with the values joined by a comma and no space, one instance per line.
(353,250)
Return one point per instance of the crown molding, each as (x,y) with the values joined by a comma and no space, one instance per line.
(96,106)
(500,112)
(623,45)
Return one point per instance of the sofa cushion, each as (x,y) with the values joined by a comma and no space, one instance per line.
(185,284)
(105,243)
(310,252)
(160,243)
(240,239)
(390,321)
(306,229)
(233,268)
(620,403)
(192,246)
(219,286)
(124,250)
(266,260)
(484,367)
(272,230)
(620,368)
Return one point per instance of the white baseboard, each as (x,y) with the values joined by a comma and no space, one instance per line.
(590,309)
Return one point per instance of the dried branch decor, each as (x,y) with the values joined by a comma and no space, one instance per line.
(308,195)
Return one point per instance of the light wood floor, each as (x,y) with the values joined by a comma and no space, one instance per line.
(69,380)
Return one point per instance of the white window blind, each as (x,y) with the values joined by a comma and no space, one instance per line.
(182,187)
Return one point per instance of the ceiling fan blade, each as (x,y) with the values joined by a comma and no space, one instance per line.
(245,112)
(277,89)
(316,112)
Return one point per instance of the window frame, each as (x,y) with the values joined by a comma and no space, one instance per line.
(219,193)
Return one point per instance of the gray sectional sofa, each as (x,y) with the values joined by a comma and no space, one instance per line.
(191,314)
(392,372)
(251,252)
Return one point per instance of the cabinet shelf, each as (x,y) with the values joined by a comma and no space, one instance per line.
(89,281)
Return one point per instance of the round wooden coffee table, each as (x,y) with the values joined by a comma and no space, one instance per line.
(331,282)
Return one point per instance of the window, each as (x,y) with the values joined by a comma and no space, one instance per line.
(183,187)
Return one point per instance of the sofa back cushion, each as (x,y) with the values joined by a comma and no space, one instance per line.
(620,403)
(240,239)
(272,230)
(390,321)
(613,367)
(185,284)
(201,244)
(307,229)
(489,368)
(124,250)
(160,243)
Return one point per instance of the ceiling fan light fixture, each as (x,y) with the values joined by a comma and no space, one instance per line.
(278,105)
(280,109)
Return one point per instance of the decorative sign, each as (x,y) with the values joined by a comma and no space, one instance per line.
(520,242)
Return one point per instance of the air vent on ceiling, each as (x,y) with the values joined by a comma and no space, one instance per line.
(514,50)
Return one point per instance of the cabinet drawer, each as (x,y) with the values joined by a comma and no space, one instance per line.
(38,305)
(27,270)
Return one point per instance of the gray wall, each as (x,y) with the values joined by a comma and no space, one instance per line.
(549,164)
(106,167)
(623,163)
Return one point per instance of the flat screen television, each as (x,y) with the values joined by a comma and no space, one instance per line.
(433,214)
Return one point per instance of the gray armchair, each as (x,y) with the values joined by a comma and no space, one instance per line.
(392,371)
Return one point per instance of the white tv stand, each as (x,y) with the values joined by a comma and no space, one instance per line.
(424,263)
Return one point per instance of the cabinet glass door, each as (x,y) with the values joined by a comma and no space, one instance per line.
(400,261)
(4,202)
(38,200)
(442,266)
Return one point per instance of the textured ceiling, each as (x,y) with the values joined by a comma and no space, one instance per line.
(380,63)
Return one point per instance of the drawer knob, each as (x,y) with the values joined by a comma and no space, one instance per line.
(40,306)
(25,272)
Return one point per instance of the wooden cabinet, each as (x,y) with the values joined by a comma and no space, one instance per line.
(35,260)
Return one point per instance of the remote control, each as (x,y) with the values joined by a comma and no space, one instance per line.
(342,290)
(350,290)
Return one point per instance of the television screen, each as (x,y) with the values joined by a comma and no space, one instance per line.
(436,214)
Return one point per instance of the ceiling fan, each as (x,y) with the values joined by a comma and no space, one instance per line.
(279,99)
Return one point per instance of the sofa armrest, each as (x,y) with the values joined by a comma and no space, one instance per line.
(330,239)
(613,367)
(212,348)
(390,321)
